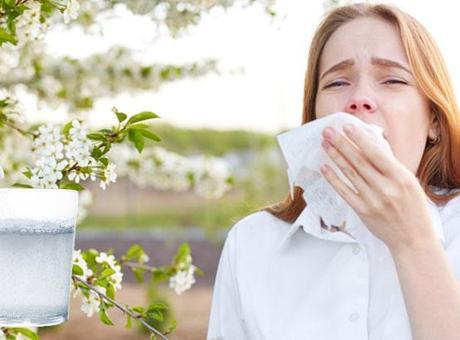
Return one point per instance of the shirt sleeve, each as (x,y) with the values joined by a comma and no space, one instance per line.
(225,322)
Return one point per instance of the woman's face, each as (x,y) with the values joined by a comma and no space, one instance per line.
(364,71)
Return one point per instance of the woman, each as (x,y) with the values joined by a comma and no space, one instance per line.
(278,281)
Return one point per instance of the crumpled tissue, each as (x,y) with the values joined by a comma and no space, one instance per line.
(304,155)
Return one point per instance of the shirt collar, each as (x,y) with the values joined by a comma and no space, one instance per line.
(307,221)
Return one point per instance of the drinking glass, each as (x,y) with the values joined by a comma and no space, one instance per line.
(37,236)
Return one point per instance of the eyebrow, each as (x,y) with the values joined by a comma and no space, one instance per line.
(374,61)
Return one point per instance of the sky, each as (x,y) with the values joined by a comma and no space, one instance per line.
(267,95)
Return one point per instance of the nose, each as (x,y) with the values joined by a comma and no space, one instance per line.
(361,104)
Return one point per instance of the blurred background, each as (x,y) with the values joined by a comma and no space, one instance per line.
(226,77)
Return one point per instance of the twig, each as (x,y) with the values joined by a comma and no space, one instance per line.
(20,2)
(125,310)
(14,127)
(138,265)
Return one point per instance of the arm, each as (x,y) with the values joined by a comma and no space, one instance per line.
(430,289)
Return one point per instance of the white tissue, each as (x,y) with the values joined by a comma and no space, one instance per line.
(304,155)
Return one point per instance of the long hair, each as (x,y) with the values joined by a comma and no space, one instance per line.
(440,163)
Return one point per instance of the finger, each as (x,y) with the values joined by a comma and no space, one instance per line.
(381,160)
(341,188)
(348,170)
(356,158)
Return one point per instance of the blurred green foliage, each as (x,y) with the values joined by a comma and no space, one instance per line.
(210,141)
(264,182)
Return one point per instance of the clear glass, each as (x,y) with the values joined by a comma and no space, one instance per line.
(37,237)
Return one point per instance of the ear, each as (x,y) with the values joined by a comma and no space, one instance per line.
(434,127)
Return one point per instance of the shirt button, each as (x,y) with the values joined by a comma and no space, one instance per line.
(356,249)
(353,317)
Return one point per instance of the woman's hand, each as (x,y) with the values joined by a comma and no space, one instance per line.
(390,200)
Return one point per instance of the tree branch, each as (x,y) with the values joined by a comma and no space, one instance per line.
(123,309)
(138,265)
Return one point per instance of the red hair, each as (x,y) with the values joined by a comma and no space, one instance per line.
(440,163)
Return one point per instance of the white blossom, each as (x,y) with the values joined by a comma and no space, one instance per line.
(117,277)
(92,302)
(49,142)
(104,258)
(183,280)
(71,11)
(166,170)
(79,148)
(2,335)
(76,176)
(211,178)
(2,173)
(78,260)
(108,176)
(28,26)
(47,172)
(144,258)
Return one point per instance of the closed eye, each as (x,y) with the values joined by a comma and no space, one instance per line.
(395,81)
(341,83)
(336,83)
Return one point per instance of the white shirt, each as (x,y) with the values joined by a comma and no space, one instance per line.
(297,281)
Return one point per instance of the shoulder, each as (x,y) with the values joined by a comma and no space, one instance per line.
(257,228)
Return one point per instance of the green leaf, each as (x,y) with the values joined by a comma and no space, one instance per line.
(139,274)
(106,149)
(28,333)
(72,186)
(96,136)
(110,291)
(28,173)
(96,153)
(172,327)
(77,270)
(138,309)
(104,317)
(135,137)
(106,273)
(157,306)
(21,185)
(139,126)
(104,160)
(150,135)
(182,252)
(160,275)
(142,116)
(7,37)
(134,252)
(121,116)
(128,321)
(66,128)
(155,314)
